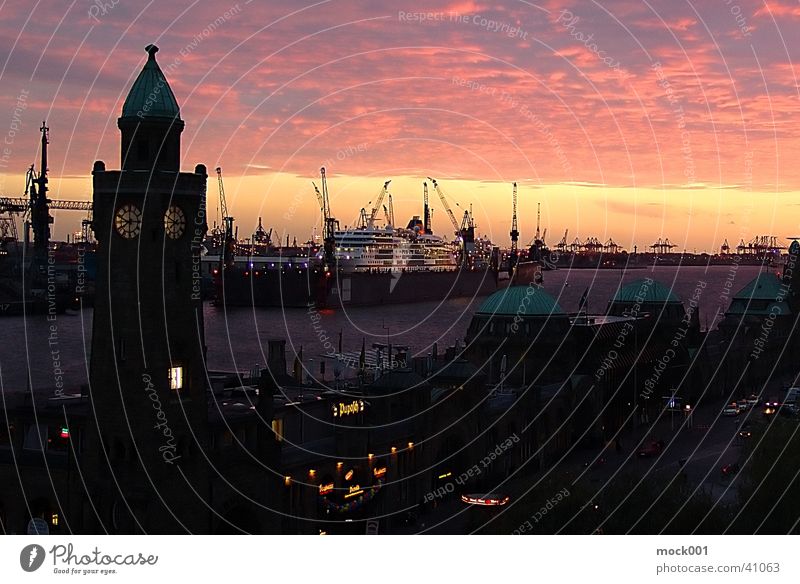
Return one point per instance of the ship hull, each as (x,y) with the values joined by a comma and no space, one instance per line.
(369,289)
(299,288)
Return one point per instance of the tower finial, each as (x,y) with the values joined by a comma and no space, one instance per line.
(151,50)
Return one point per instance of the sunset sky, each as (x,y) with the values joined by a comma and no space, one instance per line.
(633,119)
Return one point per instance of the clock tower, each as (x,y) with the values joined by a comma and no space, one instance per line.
(147,374)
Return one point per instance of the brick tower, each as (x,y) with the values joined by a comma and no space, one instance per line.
(147,375)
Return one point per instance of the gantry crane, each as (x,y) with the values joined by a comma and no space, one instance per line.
(514,255)
(227,257)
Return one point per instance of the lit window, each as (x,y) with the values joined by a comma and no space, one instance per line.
(176,378)
(54,519)
(277,428)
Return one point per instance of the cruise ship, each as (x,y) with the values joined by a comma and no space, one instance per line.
(395,250)
(384,265)
(374,265)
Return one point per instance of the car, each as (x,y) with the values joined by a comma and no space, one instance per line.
(745,431)
(752,400)
(742,405)
(731,410)
(771,406)
(790,406)
(652,449)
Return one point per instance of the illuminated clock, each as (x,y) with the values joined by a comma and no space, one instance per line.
(174,222)
(128,221)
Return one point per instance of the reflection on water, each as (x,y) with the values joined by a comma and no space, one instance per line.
(236,338)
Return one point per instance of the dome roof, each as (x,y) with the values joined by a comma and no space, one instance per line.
(646,291)
(522,301)
(150,95)
(765,286)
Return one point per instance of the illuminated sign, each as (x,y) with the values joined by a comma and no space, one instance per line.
(348,475)
(65,433)
(325,489)
(355,490)
(445,475)
(379,471)
(343,409)
(487,500)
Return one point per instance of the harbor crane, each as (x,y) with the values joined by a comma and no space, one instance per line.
(514,255)
(448,210)
(378,203)
(389,211)
(228,240)
(329,224)
(426,210)
(35,207)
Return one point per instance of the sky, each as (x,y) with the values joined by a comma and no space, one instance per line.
(627,119)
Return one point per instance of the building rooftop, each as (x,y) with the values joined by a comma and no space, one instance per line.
(765,286)
(646,291)
(522,301)
(150,95)
(760,297)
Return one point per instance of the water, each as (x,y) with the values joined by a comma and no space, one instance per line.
(237,338)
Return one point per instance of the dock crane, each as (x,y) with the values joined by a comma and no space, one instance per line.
(329,224)
(426,210)
(379,203)
(388,212)
(538,249)
(35,206)
(514,255)
(226,258)
(448,210)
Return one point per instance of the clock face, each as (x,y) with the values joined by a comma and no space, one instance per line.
(174,222)
(128,221)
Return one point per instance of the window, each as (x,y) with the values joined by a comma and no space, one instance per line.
(176,377)
(277,428)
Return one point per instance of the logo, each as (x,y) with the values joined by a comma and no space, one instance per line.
(31,557)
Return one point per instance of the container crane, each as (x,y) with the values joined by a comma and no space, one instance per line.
(226,258)
(514,255)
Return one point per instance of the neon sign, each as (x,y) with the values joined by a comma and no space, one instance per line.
(488,500)
(379,471)
(325,489)
(355,490)
(343,409)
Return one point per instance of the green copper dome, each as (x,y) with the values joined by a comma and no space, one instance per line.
(645,291)
(765,286)
(151,96)
(522,300)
